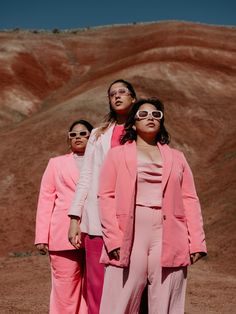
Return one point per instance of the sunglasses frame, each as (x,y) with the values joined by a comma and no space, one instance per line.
(148,114)
(78,134)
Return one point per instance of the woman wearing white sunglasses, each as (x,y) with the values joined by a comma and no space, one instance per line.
(150,215)
(84,210)
(52,222)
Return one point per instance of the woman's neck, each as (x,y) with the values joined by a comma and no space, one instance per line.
(141,141)
(121,119)
(80,154)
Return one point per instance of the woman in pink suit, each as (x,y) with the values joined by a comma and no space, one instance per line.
(150,215)
(84,208)
(52,223)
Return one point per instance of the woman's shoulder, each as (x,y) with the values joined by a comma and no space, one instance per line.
(101,129)
(176,151)
(118,150)
(178,154)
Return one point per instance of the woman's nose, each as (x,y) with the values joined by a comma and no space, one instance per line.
(150,117)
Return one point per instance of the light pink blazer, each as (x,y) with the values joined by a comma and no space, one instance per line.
(56,193)
(182,220)
(85,203)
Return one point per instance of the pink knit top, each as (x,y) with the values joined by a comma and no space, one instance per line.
(117,132)
(149,188)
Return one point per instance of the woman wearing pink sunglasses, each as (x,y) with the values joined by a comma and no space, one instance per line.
(52,223)
(150,215)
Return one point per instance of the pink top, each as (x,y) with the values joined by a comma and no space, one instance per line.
(117,132)
(149,188)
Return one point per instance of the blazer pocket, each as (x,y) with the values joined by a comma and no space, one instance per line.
(180,217)
(179,210)
(122,221)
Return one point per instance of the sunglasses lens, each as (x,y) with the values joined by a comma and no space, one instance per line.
(83,133)
(72,134)
(142,114)
(122,91)
(157,114)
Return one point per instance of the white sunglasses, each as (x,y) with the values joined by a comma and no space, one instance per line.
(144,114)
(74,134)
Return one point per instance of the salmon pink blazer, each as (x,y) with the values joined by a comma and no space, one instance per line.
(55,197)
(85,203)
(182,220)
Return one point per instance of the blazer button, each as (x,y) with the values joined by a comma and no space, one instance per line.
(164,217)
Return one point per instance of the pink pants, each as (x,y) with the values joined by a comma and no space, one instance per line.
(94,272)
(67,282)
(123,287)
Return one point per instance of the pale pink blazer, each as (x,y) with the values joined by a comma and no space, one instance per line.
(182,220)
(56,193)
(85,203)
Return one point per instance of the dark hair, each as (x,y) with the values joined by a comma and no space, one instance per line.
(111,116)
(88,126)
(162,137)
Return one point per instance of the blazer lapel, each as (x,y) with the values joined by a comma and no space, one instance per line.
(72,168)
(131,159)
(106,139)
(167,158)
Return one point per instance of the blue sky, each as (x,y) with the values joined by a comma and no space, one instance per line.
(72,14)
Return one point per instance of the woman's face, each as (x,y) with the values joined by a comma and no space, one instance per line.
(120,98)
(148,123)
(78,138)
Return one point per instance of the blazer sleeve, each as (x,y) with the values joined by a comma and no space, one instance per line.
(112,235)
(83,184)
(192,211)
(46,201)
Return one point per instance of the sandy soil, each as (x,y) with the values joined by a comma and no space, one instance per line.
(25,287)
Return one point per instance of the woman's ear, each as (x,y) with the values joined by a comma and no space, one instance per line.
(134,127)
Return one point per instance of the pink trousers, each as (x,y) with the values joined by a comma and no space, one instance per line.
(67,295)
(94,272)
(123,287)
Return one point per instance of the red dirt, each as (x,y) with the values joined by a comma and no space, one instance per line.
(49,80)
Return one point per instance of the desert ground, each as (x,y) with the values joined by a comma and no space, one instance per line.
(25,286)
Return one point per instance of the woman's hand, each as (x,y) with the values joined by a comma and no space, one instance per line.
(194,257)
(74,233)
(42,247)
(115,254)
